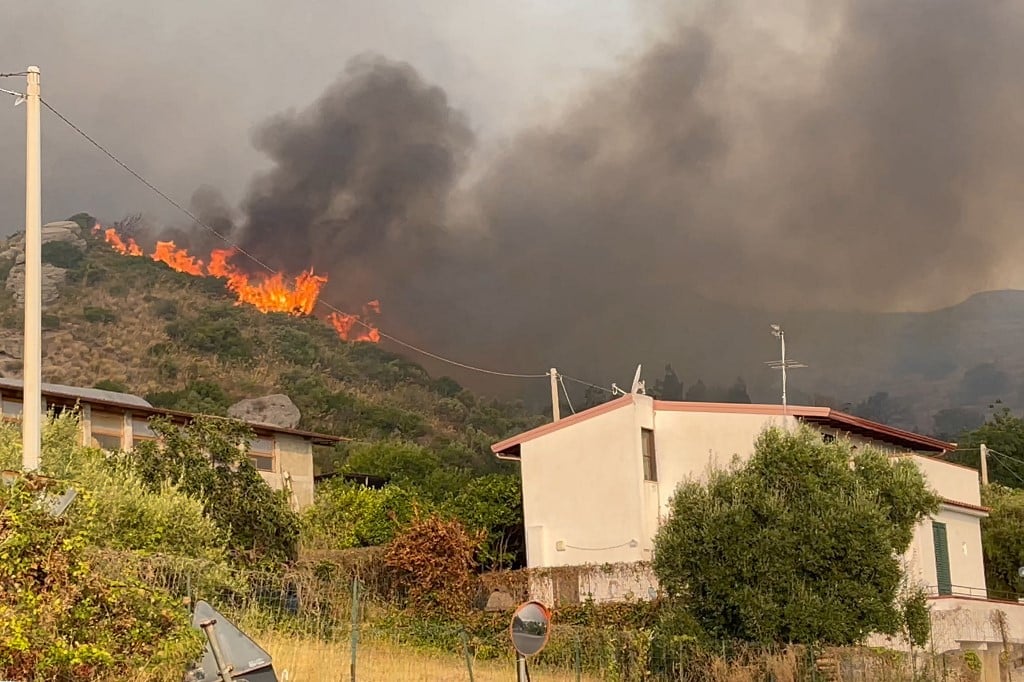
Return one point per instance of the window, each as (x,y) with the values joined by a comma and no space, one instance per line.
(107,429)
(945,580)
(650,461)
(828,438)
(141,431)
(261,452)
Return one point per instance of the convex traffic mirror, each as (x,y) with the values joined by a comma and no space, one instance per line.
(531,627)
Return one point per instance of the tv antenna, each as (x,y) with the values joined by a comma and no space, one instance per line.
(783,364)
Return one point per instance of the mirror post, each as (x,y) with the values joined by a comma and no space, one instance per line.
(522,672)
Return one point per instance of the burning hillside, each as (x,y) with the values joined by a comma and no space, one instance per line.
(267,293)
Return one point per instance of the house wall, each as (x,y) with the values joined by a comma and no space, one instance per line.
(584,497)
(294,468)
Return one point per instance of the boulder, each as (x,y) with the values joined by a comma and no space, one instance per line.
(271,410)
(53,277)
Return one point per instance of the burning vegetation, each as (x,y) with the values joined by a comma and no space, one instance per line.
(267,293)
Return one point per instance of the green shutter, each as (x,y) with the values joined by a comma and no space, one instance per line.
(942,558)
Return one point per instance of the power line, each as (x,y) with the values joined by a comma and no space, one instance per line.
(1010,459)
(567,398)
(585,383)
(13,75)
(253,258)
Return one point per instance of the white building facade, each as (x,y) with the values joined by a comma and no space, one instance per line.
(597,485)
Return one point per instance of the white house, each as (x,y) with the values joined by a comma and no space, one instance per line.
(596,486)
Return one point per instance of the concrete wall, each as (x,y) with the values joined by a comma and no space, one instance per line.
(584,497)
(294,467)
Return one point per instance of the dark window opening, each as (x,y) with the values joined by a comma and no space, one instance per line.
(650,460)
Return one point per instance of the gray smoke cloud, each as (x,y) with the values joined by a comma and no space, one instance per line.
(851,154)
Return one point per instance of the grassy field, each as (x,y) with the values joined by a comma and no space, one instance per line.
(303,660)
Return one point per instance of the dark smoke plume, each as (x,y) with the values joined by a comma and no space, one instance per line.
(847,154)
(360,181)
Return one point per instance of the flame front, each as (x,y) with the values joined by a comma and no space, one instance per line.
(268,294)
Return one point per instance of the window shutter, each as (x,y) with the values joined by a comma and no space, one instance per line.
(942,558)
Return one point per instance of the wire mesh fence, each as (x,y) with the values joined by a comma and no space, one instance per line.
(322,622)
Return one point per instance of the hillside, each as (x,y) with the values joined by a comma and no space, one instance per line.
(133,324)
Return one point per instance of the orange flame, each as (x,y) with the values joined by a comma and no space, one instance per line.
(267,294)
(272,294)
(177,259)
(344,323)
(115,241)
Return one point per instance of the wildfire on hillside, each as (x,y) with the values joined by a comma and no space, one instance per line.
(266,293)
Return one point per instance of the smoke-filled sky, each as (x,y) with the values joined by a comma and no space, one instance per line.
(524,184)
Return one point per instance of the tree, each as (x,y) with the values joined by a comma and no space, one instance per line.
(697,393)
(1003,433)
(208,459)
(669,387)
(737,393)
(951,423)
(346,515)
(795,546)
(982,382)
(397,461)
(882,408)
(1002,539)
(494,505)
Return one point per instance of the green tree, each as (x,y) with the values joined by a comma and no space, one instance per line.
(1003,433)
(951,423)
(697,393)
(882,408)
(346,515)
(493,504)
(1002,539)
(669,387)
(397,461)
(208,459)
(796,545)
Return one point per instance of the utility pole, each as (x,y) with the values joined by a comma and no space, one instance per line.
(555,412)
(984,464)
(31,406)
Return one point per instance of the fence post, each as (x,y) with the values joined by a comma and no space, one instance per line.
(579,663)
(465,652)
(355,626)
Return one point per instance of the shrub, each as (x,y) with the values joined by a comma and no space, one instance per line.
(202,397)
(98,315)
(49,321)
(62,255)
(346,515)
(165,309)
(220,336)
(63,621)
(433,561)
(110,385)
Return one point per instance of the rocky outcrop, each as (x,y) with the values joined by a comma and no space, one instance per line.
(272,410)
(53,277)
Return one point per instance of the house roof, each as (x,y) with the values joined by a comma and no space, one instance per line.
(822,416)
(69,395)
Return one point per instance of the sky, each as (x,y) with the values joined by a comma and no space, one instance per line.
(176,89)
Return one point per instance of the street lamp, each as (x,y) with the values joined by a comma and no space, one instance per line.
(783,364)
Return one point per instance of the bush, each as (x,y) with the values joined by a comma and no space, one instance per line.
(201,397)
(64,621)
(165,309)
(98,315)
(433,561)
(110,385)
(62,255)
(220,336)
(346,515)
(49,321)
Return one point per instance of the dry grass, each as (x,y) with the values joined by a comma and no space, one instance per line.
(307,660)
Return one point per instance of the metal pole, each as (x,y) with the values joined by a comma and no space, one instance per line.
(223,668)
(31,410)
(782,340)
(465,651)
(355,627)
(554,395)
(984,464)
(522,672)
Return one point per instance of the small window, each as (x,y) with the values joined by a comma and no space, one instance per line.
(262,463)
(106,441)
(650,460)
(828,438)
(107,429)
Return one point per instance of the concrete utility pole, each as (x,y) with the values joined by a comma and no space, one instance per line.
(555,413)
(984,464)
(31,407)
